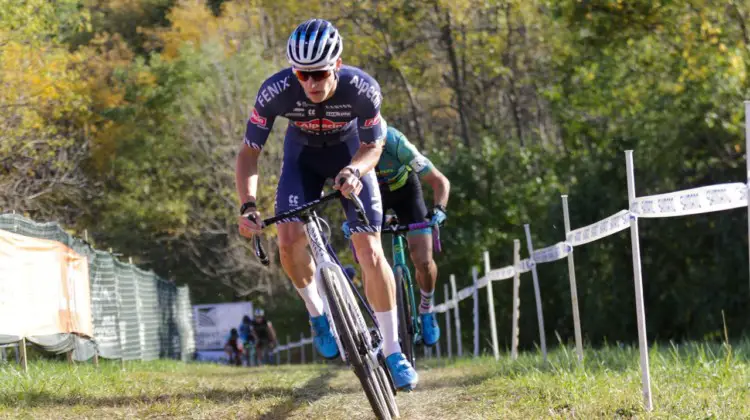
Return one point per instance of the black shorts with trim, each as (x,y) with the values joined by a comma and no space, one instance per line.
(407,202)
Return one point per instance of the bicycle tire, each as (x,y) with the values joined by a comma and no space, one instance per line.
(405,327)
(345,327)
(389,389)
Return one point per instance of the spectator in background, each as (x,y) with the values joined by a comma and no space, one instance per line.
(233,348)
(265,335)
(247,338)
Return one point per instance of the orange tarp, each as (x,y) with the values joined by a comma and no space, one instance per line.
(44,288)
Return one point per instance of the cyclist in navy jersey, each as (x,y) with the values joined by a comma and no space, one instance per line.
(334,131)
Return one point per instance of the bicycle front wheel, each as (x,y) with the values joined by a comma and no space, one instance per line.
(351,341)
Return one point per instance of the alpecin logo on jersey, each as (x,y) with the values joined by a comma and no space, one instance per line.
(319,125)
(257,119)
(365,88)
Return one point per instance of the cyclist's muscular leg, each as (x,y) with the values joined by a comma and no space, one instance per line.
(380,286)
(296,260)
(420,251)
(299,265)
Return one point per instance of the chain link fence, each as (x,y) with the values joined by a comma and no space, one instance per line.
(137,315)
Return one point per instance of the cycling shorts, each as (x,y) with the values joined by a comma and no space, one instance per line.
(305,170)
(407,202)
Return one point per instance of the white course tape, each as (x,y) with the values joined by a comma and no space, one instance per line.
(289,346)
(466,292)
(555,252)
(501,273)
(611,225)
(524,266)
(482,282)
(692,201)
(439,309)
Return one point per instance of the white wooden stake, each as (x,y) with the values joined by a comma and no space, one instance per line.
(537,293)
(573,287)
(640,309)
(491,308)
(288,350)
(475,277)
(457,318)
(516,299)
(448,332)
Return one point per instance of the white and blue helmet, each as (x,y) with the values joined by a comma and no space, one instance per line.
(314,45)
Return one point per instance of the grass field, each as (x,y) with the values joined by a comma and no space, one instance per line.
(690,381)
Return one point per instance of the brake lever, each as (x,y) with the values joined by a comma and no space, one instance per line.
(436,239)
(359,208)
(259,251)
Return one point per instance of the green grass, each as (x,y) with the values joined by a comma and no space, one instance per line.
(689,381)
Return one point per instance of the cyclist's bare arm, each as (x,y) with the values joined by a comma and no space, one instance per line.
(246,173)
(440,186)
(367,156)
(363,161)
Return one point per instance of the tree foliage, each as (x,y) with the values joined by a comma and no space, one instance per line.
(123,117)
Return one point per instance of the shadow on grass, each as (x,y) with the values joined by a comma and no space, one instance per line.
(312,390)
(428,384)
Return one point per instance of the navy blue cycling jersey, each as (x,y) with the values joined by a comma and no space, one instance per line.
(352,111)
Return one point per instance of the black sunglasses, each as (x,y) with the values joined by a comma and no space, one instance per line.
(316,75)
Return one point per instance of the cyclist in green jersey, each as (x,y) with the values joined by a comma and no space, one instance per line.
(399,171)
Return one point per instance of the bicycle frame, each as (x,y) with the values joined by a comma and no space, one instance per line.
(340,307)
(399,263)
(325,258)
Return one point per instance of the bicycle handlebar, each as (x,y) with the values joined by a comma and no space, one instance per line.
(406,228)
(261,253)
(396,229)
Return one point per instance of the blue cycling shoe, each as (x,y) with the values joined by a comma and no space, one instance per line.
(404,376)
(430,329)
(324,340)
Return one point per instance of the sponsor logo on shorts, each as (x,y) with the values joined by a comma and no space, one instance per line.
(293,200)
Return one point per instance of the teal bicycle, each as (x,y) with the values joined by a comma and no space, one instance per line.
(409,324)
